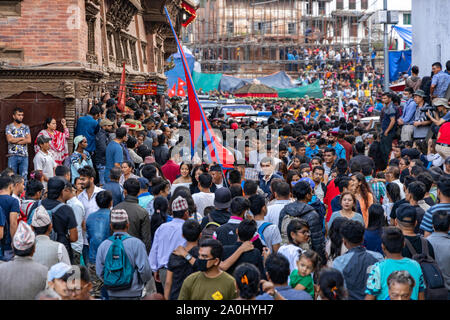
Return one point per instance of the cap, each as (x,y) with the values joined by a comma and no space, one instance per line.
(222,198)
(420,93)
(411,153)
(42,140)
(179,204)
(216,167)
(143,182)
(406,213)
(441,102)
(41,218)
(310,181)
(77,140)
(58,271)
(24,237)
(119,215)
(311,135)
(106,122)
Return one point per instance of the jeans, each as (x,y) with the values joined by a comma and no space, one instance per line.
(19,164)
(101,174)
(6,255)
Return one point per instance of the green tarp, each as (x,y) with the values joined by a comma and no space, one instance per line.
(206,81)
(312,90)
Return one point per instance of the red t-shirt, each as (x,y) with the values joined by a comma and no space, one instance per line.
(332,191)
(444,133)
(170,170)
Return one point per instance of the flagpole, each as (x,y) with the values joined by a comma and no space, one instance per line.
(189,78)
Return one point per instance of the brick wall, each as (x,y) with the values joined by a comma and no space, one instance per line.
(42,31)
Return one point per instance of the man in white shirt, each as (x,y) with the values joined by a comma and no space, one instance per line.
(205,197)
(282,192)
(43,160)
(79,212)
(167,238)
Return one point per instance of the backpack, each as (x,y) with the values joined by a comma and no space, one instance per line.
(118,271)
(432,275)
(209,229)
(261,231)
(53,235)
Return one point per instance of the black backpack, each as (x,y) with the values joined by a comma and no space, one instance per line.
(209,229)
(432,275)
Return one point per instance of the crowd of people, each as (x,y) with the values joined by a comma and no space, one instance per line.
(340,209)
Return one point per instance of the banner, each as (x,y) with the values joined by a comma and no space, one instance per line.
(147,89)
(312,90)
(206,81)
(399,61)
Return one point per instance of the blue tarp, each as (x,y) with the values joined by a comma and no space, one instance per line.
(276,80)
(399,61)
(178,71)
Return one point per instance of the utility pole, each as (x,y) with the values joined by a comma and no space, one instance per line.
(386,51)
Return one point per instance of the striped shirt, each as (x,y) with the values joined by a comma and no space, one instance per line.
(427,221)
(378,188)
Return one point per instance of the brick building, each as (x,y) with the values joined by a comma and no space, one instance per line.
(57,55)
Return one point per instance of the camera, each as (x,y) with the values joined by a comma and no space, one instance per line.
(428,108)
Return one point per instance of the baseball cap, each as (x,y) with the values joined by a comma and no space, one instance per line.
(42,140)
(143,182)
(310,181)
(106,122)
(406,213)
(222,198)
(59,271)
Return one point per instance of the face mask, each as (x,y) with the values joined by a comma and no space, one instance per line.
(17,121)
(202,264)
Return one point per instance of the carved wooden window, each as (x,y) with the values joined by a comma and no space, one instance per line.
(126,52)
(91,56)
(144,52)
(10,8)
(118,47)
(134,60)
(110,46)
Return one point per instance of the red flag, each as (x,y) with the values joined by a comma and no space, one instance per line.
(172,92)
(181,82)
(180,90)
(122,91)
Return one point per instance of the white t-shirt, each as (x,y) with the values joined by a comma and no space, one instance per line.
(44,161)
(273,211)
(291,252)
(203,200)
(271,234)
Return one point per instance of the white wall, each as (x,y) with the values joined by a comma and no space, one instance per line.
(431,34)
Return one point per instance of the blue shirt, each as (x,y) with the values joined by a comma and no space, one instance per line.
(167,238)
(98,230)
(441,80)
(8,204)
(372,240)
(427,220)
(144,199)
(88,127)
(377,282)
(114,154)
(288,293)
(311,151)
(340,150)
(116,190)
(77,162)
(409,111)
